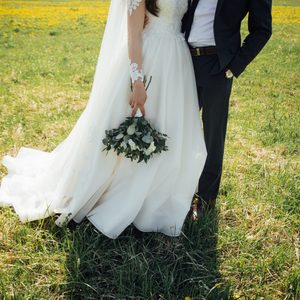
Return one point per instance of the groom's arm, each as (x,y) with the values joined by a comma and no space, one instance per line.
(260,30)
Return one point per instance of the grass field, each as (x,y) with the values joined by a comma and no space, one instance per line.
(247,249)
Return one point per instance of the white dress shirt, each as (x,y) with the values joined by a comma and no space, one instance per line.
(202,32)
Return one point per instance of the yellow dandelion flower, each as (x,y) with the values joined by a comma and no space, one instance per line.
(236,296)
(286,14)
(49,13)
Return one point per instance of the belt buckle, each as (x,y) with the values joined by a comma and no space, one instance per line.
(198,52)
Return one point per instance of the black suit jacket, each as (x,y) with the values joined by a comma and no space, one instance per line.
(233,54)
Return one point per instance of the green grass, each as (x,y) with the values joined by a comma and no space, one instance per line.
(249,246)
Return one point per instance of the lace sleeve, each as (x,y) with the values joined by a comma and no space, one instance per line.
(136,17)
(132,5)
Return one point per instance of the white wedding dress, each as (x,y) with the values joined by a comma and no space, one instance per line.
(78,180)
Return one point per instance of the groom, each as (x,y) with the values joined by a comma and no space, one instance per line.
(212,31)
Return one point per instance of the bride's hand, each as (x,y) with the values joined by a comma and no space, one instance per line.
(138,97)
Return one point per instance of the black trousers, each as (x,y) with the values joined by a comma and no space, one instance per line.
(213,94)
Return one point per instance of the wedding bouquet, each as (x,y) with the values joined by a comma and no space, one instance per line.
(136,139)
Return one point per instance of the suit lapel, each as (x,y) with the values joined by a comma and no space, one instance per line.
(190,17)
(219,5)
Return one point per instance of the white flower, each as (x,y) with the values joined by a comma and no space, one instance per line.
(124,145)
(132,144)
(119,136)
(150,149)
(131,129)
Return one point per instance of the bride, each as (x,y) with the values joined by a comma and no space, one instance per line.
(77,179)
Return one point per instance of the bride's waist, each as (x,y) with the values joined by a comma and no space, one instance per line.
(157,31)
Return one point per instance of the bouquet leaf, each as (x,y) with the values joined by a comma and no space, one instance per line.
(136,139)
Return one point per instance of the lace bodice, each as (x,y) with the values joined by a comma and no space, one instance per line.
(170,15)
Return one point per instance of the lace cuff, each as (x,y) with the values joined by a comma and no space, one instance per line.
(135,73)
(133,5)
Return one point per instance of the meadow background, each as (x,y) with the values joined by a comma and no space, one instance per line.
(247,249)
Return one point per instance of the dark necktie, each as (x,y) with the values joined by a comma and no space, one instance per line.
(190,18)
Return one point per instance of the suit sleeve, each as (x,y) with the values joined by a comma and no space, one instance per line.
(260,31)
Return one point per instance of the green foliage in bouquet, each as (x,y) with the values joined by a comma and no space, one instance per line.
(136,139)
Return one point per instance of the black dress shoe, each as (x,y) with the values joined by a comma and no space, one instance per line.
(199,205)
(195,208)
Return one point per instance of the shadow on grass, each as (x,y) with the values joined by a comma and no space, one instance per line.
(145,265)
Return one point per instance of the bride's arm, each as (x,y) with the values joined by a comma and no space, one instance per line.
(136,17)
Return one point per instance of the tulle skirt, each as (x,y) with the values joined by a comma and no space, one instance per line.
(77,179)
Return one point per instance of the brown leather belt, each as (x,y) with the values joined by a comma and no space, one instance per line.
(203,51)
